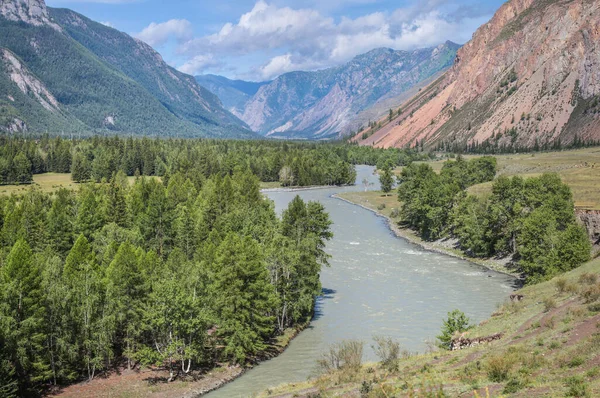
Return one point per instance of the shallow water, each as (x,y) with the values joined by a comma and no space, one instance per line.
(377,284)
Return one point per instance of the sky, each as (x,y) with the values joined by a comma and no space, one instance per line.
(259,40)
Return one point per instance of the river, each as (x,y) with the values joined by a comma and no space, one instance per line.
(377,284)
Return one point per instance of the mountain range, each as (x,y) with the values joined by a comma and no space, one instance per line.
(529,78)
(62,72)
(331,102)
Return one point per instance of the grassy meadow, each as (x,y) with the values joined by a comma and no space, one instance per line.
(48,182)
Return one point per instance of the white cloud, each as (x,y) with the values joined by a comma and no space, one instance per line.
(157,34)
(107,23)
(304,38)
(197,64)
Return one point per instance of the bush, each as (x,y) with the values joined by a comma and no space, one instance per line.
(498,367)
(457,322)
(345,355)
(388,352)
(513,386)
(591,294)
(381,207)
(588,278)
(561,285)
(549,304)
(395,213)
(577,387)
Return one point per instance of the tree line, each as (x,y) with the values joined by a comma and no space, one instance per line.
(98,158)
(180,272)
(531,220)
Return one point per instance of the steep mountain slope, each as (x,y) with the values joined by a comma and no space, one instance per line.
(325,103)
(122,85)
(233,93)
(530,77)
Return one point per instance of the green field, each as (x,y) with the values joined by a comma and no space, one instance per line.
(47,182)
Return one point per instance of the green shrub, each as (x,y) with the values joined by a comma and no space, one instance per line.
(577,387)
(561,285)
(388,352)
(381,207)
(513,386)
(549,304)
(457,322)
(499,366)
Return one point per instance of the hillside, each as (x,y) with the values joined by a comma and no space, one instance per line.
(528,78)
(100,80)
(232,93)
(550,346)
(327,103)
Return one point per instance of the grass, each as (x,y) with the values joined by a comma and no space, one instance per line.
(537,356)
(578,168)
(50,182)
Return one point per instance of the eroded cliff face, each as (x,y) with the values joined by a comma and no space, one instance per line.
(26,81)
(529,76)
(590,219)
(33,12)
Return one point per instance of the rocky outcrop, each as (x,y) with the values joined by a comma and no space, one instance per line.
(530,76)
(33,12)
(462,342)
(27,83)
(590,219)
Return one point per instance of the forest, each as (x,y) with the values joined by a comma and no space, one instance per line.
(98,158)
(181,271)
(178,274)
(529,220)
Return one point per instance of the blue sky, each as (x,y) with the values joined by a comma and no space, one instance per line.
(261,39)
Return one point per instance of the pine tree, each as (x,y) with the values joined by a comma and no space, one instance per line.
(22,313)
(386,179)
(124,296)
(85,305)
(244,298)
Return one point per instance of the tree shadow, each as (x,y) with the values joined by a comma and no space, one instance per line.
(326,294)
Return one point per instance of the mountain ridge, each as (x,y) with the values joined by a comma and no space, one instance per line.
(104,79)
(327,103)
(529,78)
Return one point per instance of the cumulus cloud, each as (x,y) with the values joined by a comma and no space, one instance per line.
(107,23)
(199,63)
(304,38)
(157,34)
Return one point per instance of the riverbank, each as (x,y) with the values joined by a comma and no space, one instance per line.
(381,205)
(549,346)
(152,382)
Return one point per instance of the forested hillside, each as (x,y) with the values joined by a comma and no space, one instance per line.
(66,73)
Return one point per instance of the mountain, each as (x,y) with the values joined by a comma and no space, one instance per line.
(327,103)
(232,93)
(63,72)
(529,78)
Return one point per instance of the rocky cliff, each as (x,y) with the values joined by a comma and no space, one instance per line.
(590,219)
(529,77)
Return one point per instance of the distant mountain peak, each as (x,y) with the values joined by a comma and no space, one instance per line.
(33,12)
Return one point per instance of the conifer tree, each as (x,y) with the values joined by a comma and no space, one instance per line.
(244,298)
